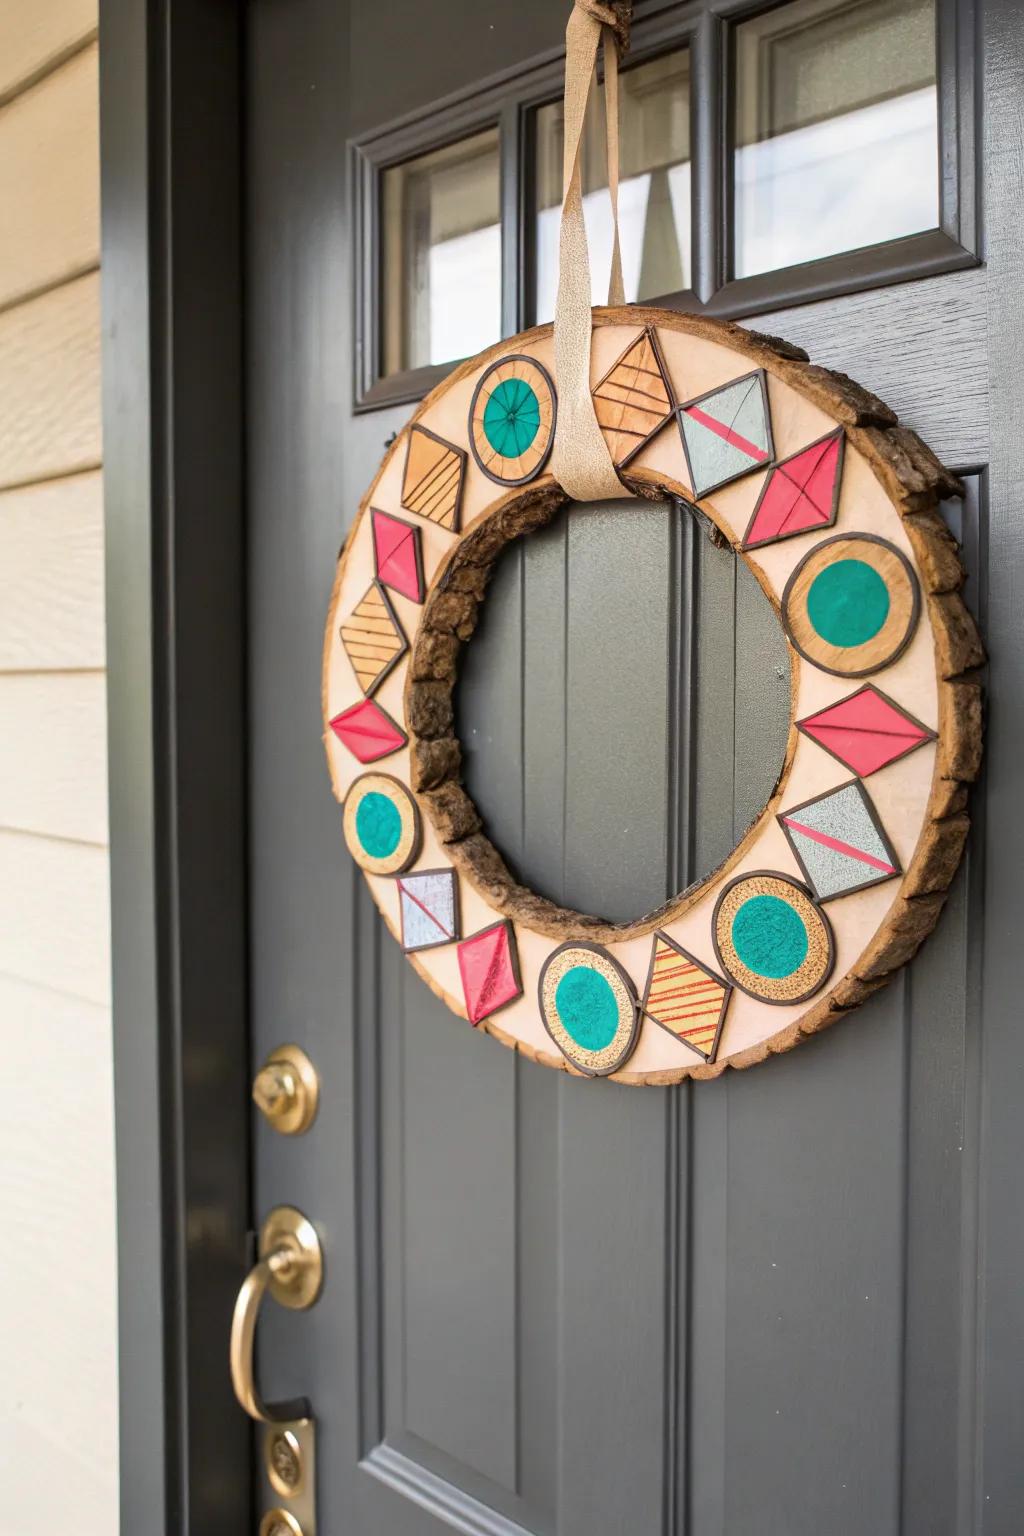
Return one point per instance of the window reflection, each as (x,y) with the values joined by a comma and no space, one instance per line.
(836,129)
(654,189)
(441,267)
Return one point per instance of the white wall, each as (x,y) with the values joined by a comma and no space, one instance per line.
(58,1445)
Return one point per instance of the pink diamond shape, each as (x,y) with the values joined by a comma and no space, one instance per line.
(489,967)
(368,731)
(866,731)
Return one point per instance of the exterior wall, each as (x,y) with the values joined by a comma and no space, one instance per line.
(58,1424)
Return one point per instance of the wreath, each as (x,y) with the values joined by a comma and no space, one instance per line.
(834,506)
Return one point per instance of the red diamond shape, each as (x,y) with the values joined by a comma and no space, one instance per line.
(368,731)
(489,967)
(397,549)
(799,494)
(866,731)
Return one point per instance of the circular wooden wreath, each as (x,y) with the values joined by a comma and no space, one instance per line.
(834,886)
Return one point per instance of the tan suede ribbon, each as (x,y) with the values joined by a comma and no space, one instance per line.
(580,461)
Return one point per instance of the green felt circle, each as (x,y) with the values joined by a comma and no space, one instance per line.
(378,825)
(769,936)
(848,603)
(511,418)
(587,1008)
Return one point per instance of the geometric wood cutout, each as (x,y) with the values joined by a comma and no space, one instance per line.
(373,638)
(851,605)
(634,400)
(432,484)
(866,731)
(685,998)
(772,938)
(512,420)
(727,433)
(589,1007)
(801,493)
(368,731)
(489,967)
(398,554)
(839,842)
(429,903)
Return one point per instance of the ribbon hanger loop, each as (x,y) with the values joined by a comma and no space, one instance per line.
(580,461)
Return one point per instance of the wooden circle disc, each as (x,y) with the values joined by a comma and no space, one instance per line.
(772,938)
(512,420)
(382,824)
(852,604)
(590,1008)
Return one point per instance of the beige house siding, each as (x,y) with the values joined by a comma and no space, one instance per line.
(58,1436)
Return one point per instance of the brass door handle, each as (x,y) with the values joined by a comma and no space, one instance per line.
(291,1268)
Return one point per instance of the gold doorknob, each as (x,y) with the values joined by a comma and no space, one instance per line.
(286,1090)
(291,1268)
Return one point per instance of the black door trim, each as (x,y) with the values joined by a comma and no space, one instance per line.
(170,101)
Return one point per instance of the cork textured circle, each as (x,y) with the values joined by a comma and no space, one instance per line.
(851,605)
(382,824)
(590,1007)
(772,939)
(512,420)
(836,511)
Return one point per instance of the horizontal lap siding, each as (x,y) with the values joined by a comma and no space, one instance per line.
(58,1305)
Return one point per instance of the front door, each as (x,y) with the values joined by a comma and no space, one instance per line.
(746,1307)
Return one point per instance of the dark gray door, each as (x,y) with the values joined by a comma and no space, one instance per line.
(783,1303)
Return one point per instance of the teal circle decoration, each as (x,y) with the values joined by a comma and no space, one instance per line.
(587,1008)
(378,825)
(769,936)
(848,603)
(512,418)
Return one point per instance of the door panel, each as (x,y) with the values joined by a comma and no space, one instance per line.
(556,1305)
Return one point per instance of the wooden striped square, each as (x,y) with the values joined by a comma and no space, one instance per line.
(373,638)
(434,472)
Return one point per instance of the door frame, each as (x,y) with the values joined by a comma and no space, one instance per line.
(171,82)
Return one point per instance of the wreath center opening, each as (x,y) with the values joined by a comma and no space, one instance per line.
(620,713)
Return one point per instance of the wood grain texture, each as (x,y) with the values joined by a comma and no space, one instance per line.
(53,754)
(58,1301)
(49,180)
(51,560)
(55,915)
(50,384)
(34,38)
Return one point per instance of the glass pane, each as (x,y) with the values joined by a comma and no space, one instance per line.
(441,269)
(654,190)
(836,129)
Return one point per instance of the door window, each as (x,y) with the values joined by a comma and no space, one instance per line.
(441,237)
(835,117)
(654,190)
(805,150)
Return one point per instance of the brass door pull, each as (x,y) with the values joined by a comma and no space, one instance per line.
(291,1268)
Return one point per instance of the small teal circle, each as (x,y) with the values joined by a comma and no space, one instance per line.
(587,1007)
(769,937)
(378,825)
(511,418)
(848,603)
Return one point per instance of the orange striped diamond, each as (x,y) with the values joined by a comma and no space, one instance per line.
(685,998)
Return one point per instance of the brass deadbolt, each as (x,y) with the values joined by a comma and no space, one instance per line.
(278,1522)
(283,1456)
(286,1090)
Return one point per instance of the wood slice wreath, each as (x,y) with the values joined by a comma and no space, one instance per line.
(835,508)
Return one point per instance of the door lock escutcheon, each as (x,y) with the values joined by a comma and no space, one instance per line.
(291,1268)
(286,1090)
